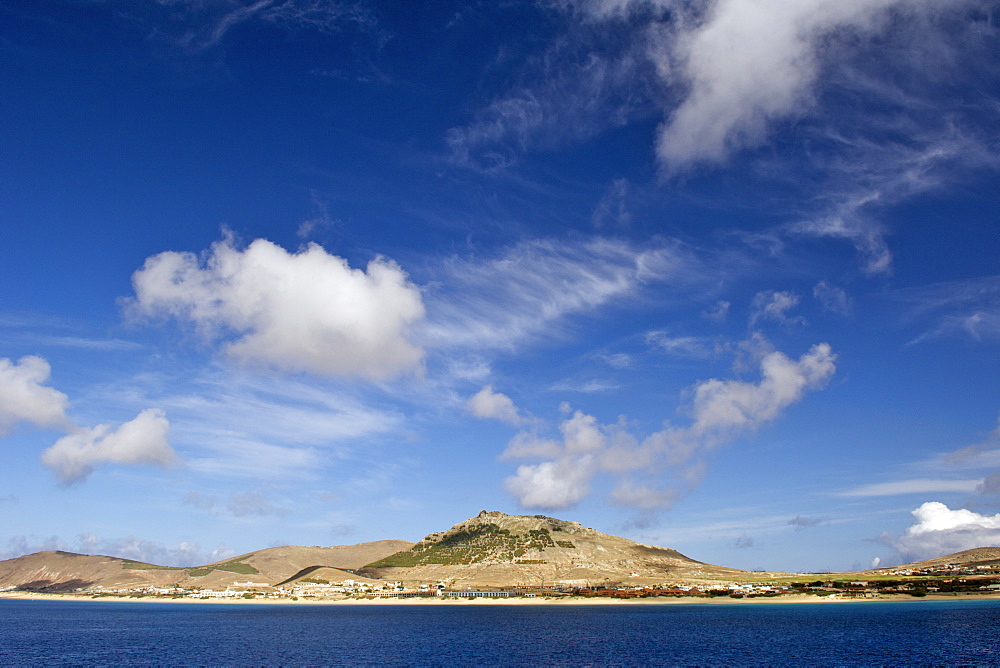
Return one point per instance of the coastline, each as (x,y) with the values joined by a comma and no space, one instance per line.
(575,600)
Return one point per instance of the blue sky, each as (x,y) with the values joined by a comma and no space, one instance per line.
(715,275)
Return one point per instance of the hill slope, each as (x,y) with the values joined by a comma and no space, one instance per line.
(495,549)
(65,571)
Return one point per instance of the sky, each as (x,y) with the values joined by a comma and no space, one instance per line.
(717,275)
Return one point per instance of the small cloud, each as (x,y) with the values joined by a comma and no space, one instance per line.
(10,498)
(913,486)
(320,219)
(617,360)
(343,530)
(488,404)
(800,522)
(587,386)
(832,298)
(24,397)
(199,500)
(744,542)
(775,305)
(253,504)
(612,210)
(717,312)
(692,347)
(142,440)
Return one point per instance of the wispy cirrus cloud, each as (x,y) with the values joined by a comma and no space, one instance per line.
(529,290)
(198,25)
(913,486)
(968,309)
(858,93)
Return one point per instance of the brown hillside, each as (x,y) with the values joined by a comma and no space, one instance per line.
(65,571)
(495,549)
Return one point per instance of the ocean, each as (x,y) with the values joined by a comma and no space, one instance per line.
(123,633)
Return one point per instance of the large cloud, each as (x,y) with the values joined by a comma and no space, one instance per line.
(654,472)
(939,531)
(25,398)
(142,440)
(527,291)
(307,311)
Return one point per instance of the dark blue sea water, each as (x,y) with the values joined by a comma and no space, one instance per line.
(118,633)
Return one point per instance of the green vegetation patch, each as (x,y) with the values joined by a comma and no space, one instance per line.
(236,567)
(483,542)
(198,572)
(566,543)
(130,565)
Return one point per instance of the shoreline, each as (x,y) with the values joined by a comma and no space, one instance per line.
(575,600)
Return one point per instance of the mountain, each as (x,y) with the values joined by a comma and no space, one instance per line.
(495,549)
(65,571)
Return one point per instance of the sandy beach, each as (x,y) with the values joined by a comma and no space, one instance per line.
(567,600)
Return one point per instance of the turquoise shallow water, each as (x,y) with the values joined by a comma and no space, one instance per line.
(118,633)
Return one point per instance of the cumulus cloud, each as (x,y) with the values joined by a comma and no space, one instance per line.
(654,471)
(939,530)
(552,485)
(142,440)
(24,397)
(489,404)
(306,311)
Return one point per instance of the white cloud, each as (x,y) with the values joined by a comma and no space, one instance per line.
(717,311)
(966,309)
(195,26)
(719,407)
(25,398)
(939,531)
(241,424)
(775,305)
(142,440)
(748,64)
(612,210)
(670,460)
(525,293)
(832,298)
(914,486)
(489,404)
(254,503)
(552,485)
(308,311)
(694,347)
